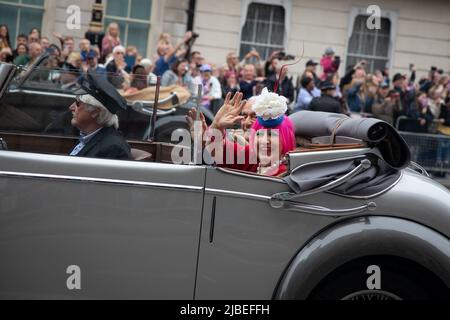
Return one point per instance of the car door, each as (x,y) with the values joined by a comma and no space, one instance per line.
(91,228)
(246,244)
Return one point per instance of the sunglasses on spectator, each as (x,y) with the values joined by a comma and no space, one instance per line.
(120,52)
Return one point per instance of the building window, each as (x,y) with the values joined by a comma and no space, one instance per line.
(21,16)
(133,18)
(263,30)
(370,45)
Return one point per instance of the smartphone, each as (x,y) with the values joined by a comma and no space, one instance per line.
(51,51)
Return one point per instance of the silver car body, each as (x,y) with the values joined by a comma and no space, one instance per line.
(150,230)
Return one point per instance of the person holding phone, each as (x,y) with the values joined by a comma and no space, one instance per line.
(387,103)
(117,74)
(168,54)
(90,64)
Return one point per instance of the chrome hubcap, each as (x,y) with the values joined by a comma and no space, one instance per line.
(372,295)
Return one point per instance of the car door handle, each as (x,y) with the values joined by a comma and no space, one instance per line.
(324,211)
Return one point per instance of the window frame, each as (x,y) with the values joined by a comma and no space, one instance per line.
(128,20)
(286,4)
(20,5)
(389,14)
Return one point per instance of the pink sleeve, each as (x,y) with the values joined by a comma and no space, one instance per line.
(326,63)
(106,45)
(239,152)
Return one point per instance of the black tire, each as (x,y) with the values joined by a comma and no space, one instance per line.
(400,280)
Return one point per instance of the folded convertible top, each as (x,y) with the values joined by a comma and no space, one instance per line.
(376,133)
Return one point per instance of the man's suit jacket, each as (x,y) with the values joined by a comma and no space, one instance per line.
(108,143)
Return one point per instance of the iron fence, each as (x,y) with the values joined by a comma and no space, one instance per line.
(431,151)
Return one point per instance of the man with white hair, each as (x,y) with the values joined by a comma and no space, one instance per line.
(116,69)
(95,115)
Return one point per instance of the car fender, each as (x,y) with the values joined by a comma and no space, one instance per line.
(362,237)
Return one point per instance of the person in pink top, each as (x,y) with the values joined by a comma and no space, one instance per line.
(330,63)
(111,39)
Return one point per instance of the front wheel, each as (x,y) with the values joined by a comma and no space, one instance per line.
(393,278)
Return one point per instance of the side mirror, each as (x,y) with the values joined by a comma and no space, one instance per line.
(7,72)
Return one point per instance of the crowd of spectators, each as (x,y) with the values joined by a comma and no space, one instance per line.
(411,104)
(403,100)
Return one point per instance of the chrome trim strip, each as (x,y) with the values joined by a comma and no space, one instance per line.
(298,206)
(418,166)
(43,93)
(250,175)
(168,186)
(237,194)
(327,151)
(327,161)
(324,211)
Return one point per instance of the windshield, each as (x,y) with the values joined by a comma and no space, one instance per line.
(41,105)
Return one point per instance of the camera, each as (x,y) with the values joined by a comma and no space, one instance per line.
(51,51)
(191,41)
(289,57)
(284,56)
(393,94)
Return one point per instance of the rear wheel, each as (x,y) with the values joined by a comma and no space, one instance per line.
(399,279)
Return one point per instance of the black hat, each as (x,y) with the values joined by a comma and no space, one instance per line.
(311,63)
(102,90)
(327,85)
(398,76)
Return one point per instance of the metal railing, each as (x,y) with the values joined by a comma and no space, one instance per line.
(431,151)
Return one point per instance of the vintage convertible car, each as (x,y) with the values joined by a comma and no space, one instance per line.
(352,220)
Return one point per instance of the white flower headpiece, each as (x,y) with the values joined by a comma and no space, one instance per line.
(269,105)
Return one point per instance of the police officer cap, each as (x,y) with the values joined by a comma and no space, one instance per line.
(327,85)
(102,90)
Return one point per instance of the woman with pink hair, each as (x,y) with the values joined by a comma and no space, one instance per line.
(271,137)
